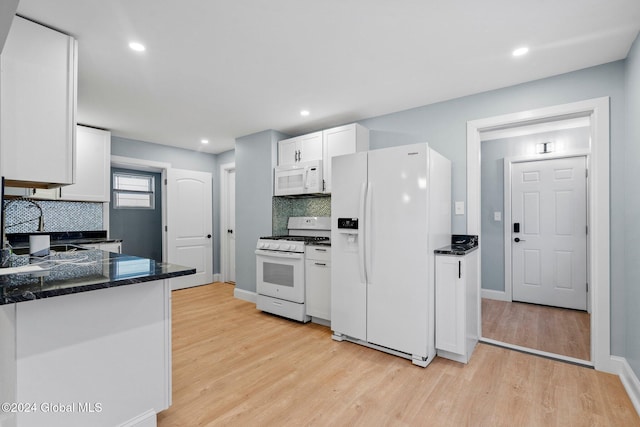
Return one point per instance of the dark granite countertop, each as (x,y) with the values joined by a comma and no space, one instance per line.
(21,240)
(461,244)
(72,272)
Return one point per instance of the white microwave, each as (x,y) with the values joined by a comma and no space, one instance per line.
(301,178)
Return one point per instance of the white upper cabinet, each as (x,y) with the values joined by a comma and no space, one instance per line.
(37,106)
(324,145)
(346,139)
(303,148)
(93,170)
(93,166)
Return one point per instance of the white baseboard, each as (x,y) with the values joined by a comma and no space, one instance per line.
(629,380)
(217,277)
(497,295)
(146,419)
(245,295)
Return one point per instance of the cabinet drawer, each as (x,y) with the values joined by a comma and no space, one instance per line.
(319,253)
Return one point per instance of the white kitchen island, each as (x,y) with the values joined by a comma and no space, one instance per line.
(88,349)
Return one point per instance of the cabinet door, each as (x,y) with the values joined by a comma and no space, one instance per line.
(287,151)
(93,166)
(338,141)
(310,147)
(450,304)
(318,288)
(37,100)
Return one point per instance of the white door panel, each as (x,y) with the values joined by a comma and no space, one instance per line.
(189,224)
(550,260)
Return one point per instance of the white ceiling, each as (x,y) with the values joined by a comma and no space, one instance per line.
(228,68)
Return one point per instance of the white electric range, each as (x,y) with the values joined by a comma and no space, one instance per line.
(280,264)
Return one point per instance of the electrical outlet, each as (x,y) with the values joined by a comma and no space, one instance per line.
(497,216)
(459,208)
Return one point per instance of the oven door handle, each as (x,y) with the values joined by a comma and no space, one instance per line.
(281,255)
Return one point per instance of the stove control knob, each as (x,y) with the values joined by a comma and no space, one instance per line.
(274,246)
(285,247)
(261,245)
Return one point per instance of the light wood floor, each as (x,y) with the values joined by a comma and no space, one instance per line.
(233,365)
(550,329)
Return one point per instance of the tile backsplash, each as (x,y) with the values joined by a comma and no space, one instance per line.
(284,207)
(22,216)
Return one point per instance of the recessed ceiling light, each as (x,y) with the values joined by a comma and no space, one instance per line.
(520,51)
(204,141)
(138,47)
(304,113)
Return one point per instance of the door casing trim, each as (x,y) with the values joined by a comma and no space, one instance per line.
(599,245)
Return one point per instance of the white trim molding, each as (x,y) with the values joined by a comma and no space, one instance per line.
(597,110)
(495,295)
(629,381)
(245,295)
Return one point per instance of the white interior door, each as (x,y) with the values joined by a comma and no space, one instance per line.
(189,225)
(231,226)
(549,253)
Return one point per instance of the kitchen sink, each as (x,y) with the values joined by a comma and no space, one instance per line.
(53,248)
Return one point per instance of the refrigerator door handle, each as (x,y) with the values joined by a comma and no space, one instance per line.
(363,274)
(367,233)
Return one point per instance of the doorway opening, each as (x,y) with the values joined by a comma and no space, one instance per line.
(596,113)
(228,222)
(148,166)
(135,213)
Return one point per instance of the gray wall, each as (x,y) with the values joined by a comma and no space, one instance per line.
(256,155)
(492,156)
(181,159)
(632,210)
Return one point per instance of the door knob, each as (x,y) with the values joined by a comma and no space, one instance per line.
(230,231)
(517,239)
(208,236)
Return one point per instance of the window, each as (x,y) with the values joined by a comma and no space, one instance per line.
(132,191)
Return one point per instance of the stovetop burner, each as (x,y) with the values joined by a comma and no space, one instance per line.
(306,239)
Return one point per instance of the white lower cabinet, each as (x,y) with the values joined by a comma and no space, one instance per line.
(92,358)
(318,282)
(457,305)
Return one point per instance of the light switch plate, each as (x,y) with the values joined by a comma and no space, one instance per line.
(459,208)
(497,216)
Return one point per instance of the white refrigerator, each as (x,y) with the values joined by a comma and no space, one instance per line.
(390,208)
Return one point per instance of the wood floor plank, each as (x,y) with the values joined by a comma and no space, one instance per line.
(551,329)
(236,366)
